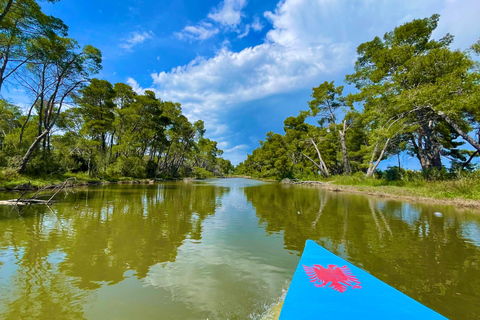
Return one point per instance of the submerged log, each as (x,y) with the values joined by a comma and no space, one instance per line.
(34,199)
(22,202)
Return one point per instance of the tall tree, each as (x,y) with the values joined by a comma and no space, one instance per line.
(96,105)
(63,70)
(418,81)
(327,102)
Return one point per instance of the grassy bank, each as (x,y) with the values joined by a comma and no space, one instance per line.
(466,187)
(11,181)
(463,190)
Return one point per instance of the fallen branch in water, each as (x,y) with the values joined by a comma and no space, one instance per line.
(33,199)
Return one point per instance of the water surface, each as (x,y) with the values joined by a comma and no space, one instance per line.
(223,249)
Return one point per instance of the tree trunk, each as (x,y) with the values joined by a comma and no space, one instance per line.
(346,163)
(316,164)
(111,145)
(322,163)
(6,10)
(373,166)
(30,151)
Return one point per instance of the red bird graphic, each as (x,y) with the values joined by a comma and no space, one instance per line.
(339,278)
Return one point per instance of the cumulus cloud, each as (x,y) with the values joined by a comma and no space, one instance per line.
(227,16)
(135,38)
(229,13)
(308,42)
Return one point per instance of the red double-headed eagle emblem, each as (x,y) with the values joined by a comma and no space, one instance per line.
(335,277)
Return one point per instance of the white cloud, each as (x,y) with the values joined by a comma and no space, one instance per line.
(256,24)
(237,148)
(245,32)
(135,38)
(229,13)
(309,42)
(201,31)
(227,16)
(222,144)
(135,86)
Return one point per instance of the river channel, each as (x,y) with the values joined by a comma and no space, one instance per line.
(222,249)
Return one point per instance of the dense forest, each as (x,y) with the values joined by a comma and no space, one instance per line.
(74,123)
(413,94)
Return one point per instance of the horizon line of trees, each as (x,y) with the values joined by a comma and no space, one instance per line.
(414,94)
(74,123)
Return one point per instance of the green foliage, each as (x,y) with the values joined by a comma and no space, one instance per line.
(8,174)
(201,173)
(415,95)
(127,167)
(76,124)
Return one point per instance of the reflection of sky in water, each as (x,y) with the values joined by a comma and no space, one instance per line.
(234,269)
(56,257)
(408,214)
(471,232)
(8,267)
(219,270)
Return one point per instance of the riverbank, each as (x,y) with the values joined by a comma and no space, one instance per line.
(401,193)
(461,192)
(23,182)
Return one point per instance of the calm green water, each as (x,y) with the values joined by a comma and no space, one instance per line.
(223,249)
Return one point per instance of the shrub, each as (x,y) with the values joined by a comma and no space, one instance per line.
(393,173)
(127,167)
(8,174)
(201,173)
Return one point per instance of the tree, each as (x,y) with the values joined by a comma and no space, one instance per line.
(22,25)
(421,83)
(95,105)
(9,119)
(300,136)
(60,72)
(327,101)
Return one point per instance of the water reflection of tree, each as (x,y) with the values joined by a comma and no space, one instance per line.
(427,257)
(100,235)
(134,233)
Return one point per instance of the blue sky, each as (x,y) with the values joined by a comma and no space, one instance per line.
(243,66)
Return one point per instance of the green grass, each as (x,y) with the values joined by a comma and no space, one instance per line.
(464,187)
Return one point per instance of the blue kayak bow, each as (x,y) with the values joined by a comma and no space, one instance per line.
(325,286)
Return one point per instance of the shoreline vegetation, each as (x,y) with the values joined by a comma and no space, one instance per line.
(462,192)
(75,125)
(23,182)
(413,95)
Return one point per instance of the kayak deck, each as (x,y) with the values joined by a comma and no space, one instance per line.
(326,286)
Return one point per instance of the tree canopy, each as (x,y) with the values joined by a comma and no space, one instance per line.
(414,94)
(77,123)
